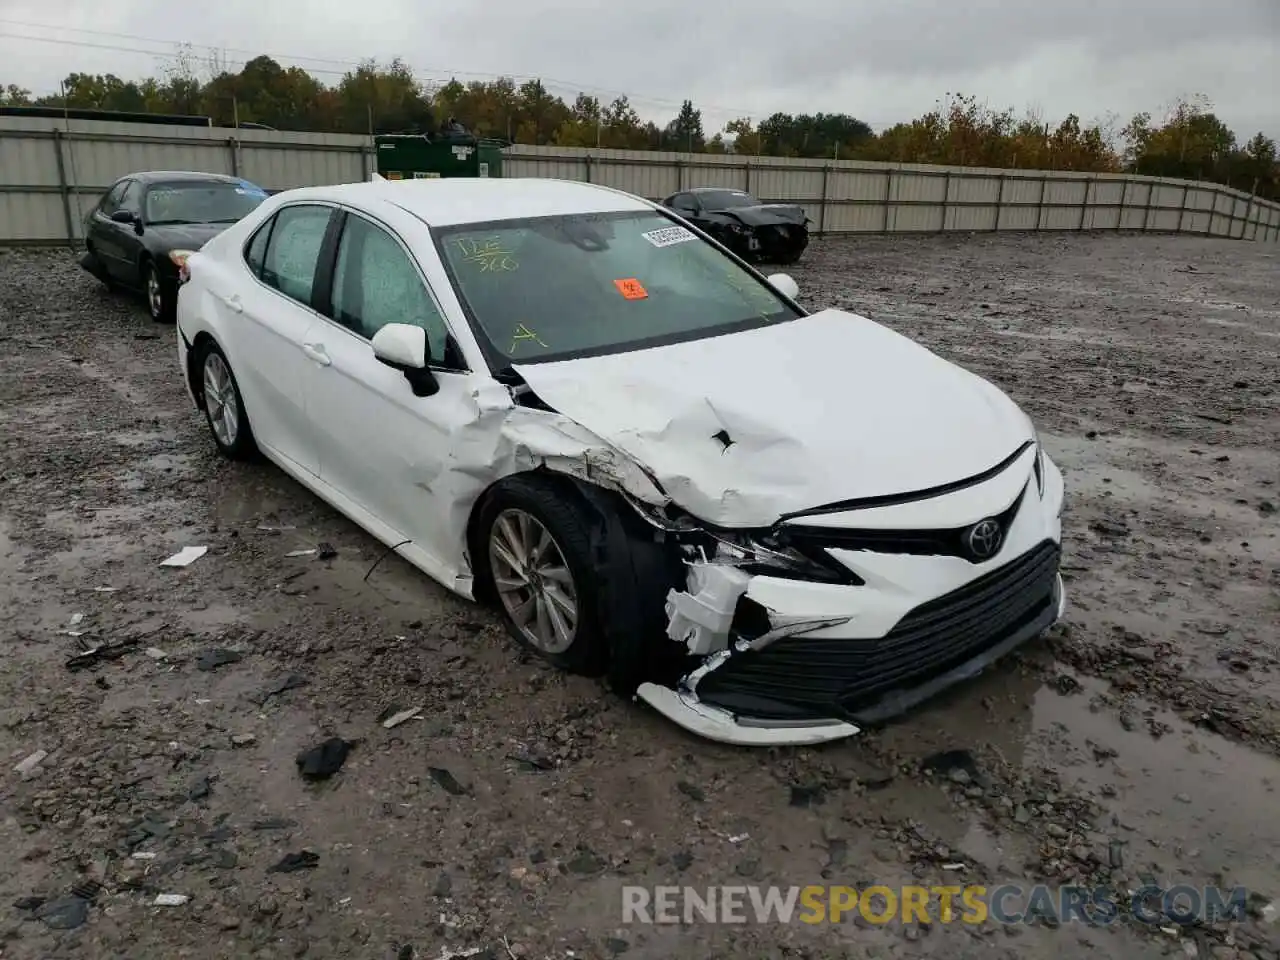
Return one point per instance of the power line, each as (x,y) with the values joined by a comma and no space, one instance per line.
(546,81)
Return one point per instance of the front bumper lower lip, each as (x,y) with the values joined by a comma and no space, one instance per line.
(721,726)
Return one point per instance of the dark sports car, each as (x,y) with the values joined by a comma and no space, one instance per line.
(755,231)
(147,224)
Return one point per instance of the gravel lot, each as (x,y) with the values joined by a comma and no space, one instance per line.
(1139,742)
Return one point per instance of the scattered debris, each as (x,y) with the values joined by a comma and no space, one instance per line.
(293,862)
(446,781)
(299,553)
(155,653)
(64,913)
(185,557)
(322,762)
(28,766)
(170,899)
(213,659)
(243,739)
(400,717)
(104,651)
(325,551)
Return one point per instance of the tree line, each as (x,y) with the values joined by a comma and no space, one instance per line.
(1191,142)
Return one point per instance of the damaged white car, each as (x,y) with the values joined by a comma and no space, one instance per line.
(771,526)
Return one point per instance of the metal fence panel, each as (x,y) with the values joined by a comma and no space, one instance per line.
(51,174)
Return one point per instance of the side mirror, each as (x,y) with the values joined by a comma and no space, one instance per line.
(122,216)
(785,285)
(404,347)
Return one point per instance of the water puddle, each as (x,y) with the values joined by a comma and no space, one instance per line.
(1190,804)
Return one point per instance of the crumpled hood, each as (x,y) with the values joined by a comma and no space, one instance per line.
(822,409)
(768,213)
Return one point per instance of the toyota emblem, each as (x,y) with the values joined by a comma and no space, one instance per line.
(983,539)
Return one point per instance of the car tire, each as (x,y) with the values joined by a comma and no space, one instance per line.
(511,527)
(162,301)
(228,422)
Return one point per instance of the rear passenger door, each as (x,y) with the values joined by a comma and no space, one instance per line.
(272,311)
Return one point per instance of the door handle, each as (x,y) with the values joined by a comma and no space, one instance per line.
(233,303)
(317,352)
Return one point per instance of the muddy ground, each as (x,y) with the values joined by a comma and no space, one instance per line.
(1139,743)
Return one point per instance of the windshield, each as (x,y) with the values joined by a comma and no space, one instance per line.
(553,288)
(201,201)
(726,199)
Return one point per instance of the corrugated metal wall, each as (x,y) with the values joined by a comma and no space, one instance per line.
(51,175)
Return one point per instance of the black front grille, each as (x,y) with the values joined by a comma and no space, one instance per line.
(818,678)
(936,543)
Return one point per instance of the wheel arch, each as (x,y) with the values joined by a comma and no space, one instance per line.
(195,355)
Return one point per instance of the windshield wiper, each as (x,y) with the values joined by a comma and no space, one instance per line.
(169,223)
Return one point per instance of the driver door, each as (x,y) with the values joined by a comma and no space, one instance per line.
(380,446)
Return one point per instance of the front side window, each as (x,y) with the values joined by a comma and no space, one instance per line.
(552,288)
(294,249)
(199,201)
(111,202)
(375,283)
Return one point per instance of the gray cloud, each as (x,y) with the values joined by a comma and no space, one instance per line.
(880,61)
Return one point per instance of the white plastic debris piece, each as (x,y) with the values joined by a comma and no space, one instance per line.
(104,589)
(143,855)
(700,617)
(953,866)
(185,557)
(27,767)
(155,653)
(77,618)
(170,899)
(447,954)
(299,553)
(740,837)
(72,633)
(1271,911)
(398,718)
(268,528)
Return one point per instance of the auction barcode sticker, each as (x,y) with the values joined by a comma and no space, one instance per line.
(668,236)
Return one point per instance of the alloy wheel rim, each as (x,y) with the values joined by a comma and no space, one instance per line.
(533,581)
(220,400)
(154,298)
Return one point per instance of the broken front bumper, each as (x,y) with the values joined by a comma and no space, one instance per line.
(836,658)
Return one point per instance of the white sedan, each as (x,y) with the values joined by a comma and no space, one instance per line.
(772,526)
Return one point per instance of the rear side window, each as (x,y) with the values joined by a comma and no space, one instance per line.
(293,250)
(255,255)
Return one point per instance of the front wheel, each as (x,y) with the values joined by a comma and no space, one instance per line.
(224,406)
(161,297)
(537,556)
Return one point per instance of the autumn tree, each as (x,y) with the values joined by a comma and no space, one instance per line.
(12,95)
(685,131)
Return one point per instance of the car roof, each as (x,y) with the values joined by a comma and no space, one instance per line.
(451,201)
(734,190)
(155,176)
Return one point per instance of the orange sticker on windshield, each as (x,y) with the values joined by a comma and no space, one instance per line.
(631,289)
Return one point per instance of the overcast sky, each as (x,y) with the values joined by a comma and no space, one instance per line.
(880,60)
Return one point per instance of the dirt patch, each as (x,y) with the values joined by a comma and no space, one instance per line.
(1138,743)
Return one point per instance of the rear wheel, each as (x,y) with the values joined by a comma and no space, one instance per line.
(224,406)
(161,299)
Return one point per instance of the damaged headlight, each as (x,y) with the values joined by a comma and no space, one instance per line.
(1038,464)
(778,560)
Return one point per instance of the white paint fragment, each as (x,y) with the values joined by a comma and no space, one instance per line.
(700,618)
(28,766)
(185,557)
(170,899)
(398,718)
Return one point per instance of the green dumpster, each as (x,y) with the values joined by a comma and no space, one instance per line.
(413,156)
